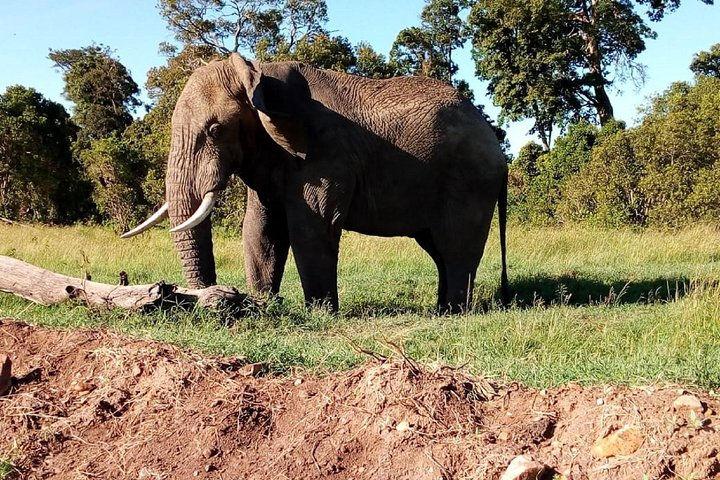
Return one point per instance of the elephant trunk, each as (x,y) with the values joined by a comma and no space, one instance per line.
(194,246)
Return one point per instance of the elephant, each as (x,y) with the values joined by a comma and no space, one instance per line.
(321,151)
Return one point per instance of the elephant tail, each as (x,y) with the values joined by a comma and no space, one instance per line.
(502,220)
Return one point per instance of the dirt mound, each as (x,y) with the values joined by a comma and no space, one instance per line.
(95,404)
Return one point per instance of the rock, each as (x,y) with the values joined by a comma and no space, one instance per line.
(523,467)
(5,374)
(403,426)
(210,452)
(625,441)
(688,402)
(255,369)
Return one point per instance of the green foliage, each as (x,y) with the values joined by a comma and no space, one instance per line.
(320,50)
(707,62)
(116,172)
(552,60)
(39,178)
(243,25)
(7,469)
(229,212)
(369,63)
(427,50)
(664,172)
(101,88)
(539,179)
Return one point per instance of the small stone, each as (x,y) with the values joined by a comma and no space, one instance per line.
(298,381)
(136,371)
(625,441)
(403,426)
(599,401)
(83,387)
(5,374)
(688,402)
(255,369)
(210,452)
(523,467)
(503,436)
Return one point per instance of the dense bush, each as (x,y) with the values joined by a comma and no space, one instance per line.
(40,180)
(663,172)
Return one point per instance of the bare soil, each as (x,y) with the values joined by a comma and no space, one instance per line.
(87,404)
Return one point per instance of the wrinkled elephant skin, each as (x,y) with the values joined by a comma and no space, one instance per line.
(322,151)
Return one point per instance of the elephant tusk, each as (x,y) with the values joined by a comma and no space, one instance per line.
(153,219)
(200,214)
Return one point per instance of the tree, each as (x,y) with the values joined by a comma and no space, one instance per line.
(320,50)
(427,50)
(370,63)
(116,171)
(240,25)
(707,62)
(104,93)
(39,178)
(553,60)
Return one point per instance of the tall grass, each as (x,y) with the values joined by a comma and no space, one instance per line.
(590,306)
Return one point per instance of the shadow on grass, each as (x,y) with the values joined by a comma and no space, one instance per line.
(576,291)
(382,307)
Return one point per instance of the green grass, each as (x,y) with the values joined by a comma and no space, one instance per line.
(7,469)
(591,306)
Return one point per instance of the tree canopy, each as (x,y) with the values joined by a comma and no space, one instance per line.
(39,178)
(104,93)
(553,60)
(707,62)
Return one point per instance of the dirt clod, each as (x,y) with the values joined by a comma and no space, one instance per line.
(624,441)
(688,402)
(523,467)
(157,412)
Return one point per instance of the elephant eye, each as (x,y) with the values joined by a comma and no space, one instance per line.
(214,130)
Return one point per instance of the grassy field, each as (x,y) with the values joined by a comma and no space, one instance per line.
(591,306)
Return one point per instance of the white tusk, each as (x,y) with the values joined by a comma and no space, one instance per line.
(200,214)
(154,219)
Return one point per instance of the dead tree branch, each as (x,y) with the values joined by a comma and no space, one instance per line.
(48,288)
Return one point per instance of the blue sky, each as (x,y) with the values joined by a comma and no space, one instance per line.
(133,28)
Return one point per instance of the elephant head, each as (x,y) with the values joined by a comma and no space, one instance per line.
(215,126)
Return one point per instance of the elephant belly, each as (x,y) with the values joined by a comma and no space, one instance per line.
(391,213)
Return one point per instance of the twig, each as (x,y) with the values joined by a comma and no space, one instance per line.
(377,356)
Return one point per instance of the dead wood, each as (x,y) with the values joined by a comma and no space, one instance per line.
(48,288)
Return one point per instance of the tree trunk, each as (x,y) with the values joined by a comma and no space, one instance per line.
(48,288)
(603,106)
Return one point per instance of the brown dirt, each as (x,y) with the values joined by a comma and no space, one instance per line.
(95,404)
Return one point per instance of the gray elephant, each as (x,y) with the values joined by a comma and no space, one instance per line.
(321,151)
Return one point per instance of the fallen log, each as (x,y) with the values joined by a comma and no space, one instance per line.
(48,288)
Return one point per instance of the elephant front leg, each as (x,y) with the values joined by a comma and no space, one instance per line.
(265,244)
(316,258)
(315,241)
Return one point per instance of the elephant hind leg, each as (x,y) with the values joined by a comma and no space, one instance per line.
(425,240)
(460,243)
(456,265)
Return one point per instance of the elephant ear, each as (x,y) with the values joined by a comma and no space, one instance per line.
(278,107)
